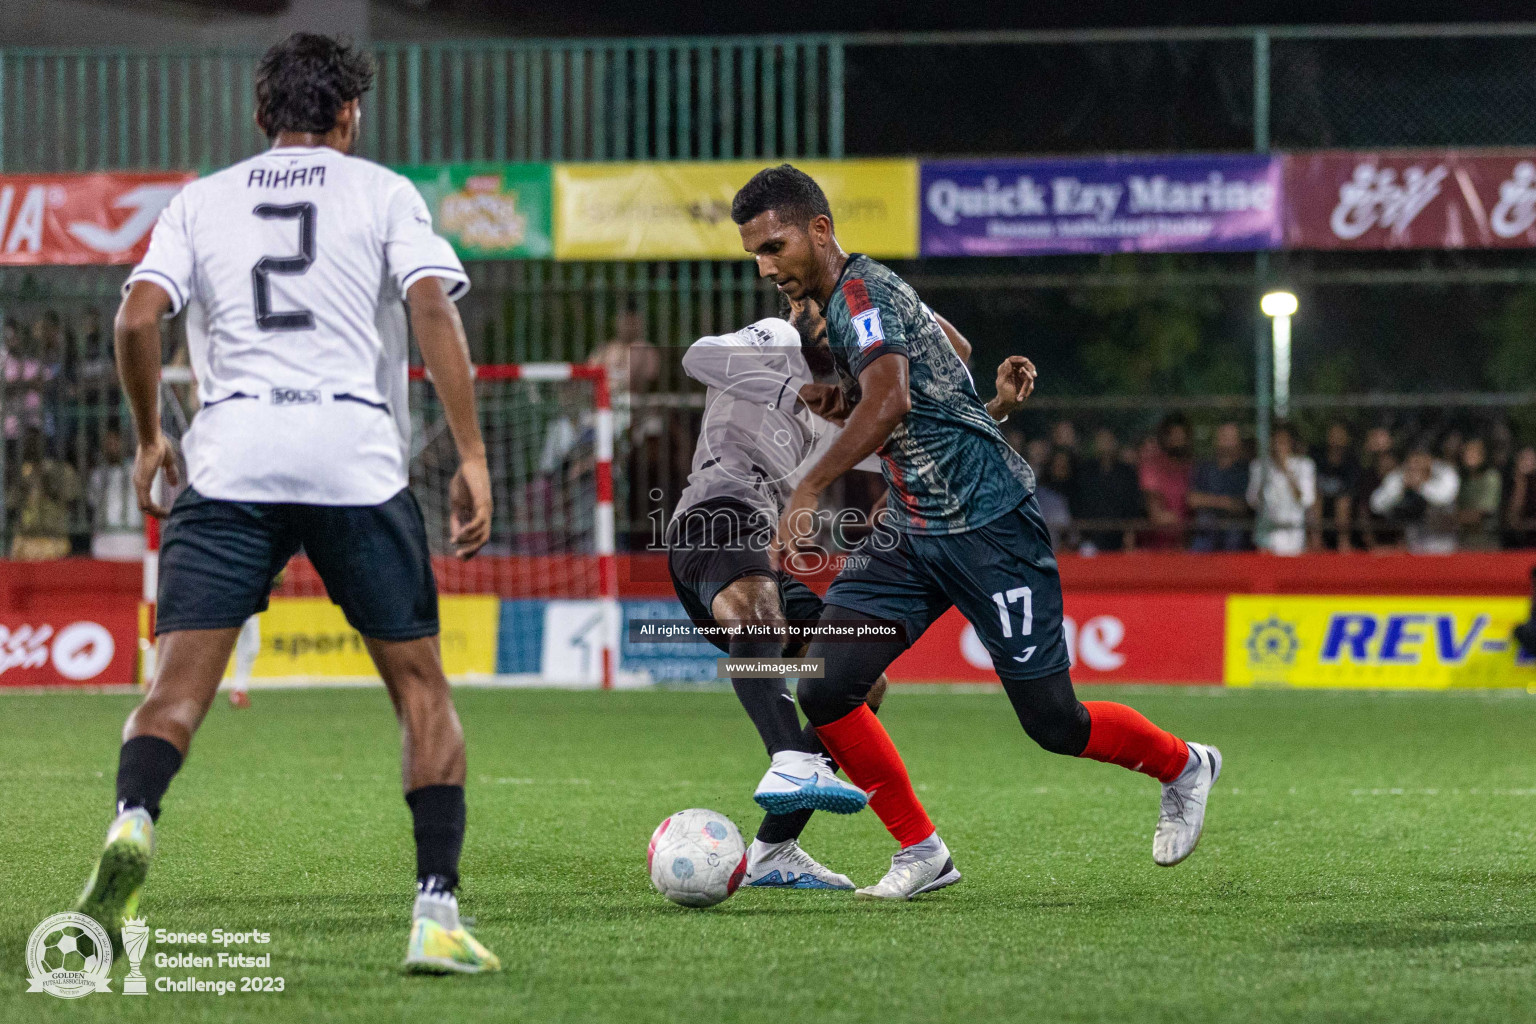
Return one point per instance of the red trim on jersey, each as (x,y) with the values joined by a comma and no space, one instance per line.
(857,296)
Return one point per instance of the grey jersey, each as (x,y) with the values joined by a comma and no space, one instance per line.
(757,438)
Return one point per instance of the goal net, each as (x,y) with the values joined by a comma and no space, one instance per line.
(545,585)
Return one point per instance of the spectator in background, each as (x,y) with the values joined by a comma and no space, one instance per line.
(117,525)
(1064,437)
(1164,477)
(1421,496)
(1106,488)
(26,377)
(1038,454)
(1218,495)
(1283,493)
(1051,489)
(1520,510)
(40,499)
(1379,460)
(49,344)
(1338,480)
(1450,446)
(1479,500)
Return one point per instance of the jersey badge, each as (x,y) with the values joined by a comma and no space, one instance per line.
(868,328)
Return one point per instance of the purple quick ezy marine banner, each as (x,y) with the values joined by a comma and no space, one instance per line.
(1109,204)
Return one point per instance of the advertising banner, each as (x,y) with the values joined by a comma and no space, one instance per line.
(662,211)
(489,211)
(1375,642)
(81,218)
(1441,199)
(1107,204)
(309,637)
(86,643)
(1110,638)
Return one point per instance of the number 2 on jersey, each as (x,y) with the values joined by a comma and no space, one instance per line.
(294,319)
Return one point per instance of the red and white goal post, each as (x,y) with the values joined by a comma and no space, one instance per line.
(549,435)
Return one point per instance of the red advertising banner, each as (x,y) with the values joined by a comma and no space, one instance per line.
(1112,638)
(1423,199)
(81,218)
(79,644)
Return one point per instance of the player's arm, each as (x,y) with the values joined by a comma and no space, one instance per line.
(445,351)
(763,375)
(1015,375)
(1015,383)
(886,400)
(136,336)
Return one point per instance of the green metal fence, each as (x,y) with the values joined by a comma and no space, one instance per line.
(73,110)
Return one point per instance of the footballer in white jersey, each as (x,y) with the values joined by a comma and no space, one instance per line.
(293,267)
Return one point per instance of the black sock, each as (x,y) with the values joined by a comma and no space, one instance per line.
(767,701)
(145,767)
(438,812)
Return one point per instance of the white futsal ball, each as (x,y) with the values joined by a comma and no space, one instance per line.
(696,858)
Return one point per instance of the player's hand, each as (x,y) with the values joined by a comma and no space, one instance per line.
(826,401)
(1015,383)
(797,527)
(147,463)
(469,498)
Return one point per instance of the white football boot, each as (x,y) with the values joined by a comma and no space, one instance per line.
(797,781)
(915,870)
(1182,816)
(786,866)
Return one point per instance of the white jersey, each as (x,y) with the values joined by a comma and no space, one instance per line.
(757,439)
(292,266)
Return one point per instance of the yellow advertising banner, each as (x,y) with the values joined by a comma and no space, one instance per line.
(1375,642)
(666,211)
(309,637)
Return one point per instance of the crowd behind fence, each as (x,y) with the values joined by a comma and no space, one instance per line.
(1426,478)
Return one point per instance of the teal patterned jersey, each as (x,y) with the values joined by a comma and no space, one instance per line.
(947,465)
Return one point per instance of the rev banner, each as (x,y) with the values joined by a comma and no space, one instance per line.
(81,218)
(1426,199)
(1375,642)
(1103,204)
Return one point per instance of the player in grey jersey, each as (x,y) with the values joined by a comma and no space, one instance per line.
(767,415)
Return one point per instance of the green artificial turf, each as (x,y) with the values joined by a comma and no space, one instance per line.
(1367,857)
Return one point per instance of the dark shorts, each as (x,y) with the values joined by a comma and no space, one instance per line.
(1002,577)
(218,560)
(716,544)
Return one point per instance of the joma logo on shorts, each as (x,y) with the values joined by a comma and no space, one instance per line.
(295,396)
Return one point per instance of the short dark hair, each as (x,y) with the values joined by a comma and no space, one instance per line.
(787,191)
(303,82)
(1172,420)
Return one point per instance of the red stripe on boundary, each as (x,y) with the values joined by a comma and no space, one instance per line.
(857,296)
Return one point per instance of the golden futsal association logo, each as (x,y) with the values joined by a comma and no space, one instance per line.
(69,956)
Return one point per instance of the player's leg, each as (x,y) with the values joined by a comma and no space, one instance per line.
(751,605)
(881,588)
(375,564)
(775,858)
(719,566)
(246,648)
(1004,580)
(215,563)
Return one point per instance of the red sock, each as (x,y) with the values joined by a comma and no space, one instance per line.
(864,750)
(1123,736)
